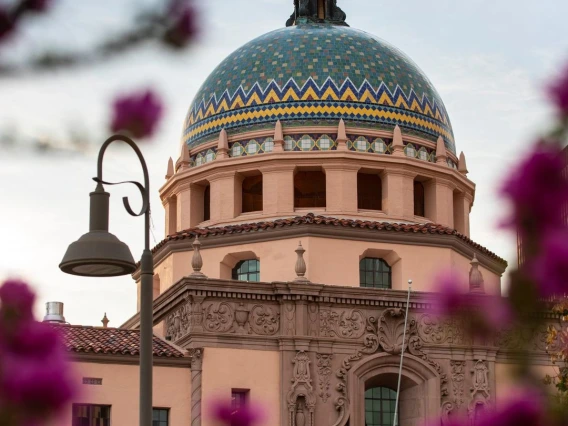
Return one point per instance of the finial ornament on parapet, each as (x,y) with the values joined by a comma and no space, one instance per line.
(476,284)
(105,321)
(397,143)
(462,166)
(278,137)
(170,171)
(300,265)
(441,154)
(196,260)
(223,145)
(320,11)
(342,136)
(185,160)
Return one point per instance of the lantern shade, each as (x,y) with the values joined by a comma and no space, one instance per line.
(98,254)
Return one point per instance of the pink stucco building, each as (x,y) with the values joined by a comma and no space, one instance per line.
(317,174)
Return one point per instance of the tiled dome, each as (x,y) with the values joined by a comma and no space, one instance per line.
(315,74)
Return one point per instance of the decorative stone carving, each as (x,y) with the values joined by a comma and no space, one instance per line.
(289,318)
(458,381)
(324,371)
(178,322)
(347,324)
(301,389)
(219,317)
(447,408)
(476,283)
(313,319)
(480,379)
(390,329)
(264,320)
(434,331)
(241,318)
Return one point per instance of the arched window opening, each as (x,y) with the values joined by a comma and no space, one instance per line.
(369,192)
(252,194)
(419,199)
(309,189)
(156,286)
(374,273)
(247,270)
(207,203)
(380,406)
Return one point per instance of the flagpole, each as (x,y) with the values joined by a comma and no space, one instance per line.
(395,421)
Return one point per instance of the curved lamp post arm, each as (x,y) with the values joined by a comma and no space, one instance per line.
(144,189)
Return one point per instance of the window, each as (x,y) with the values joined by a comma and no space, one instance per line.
(239,398)
(91,415)
(375,273)
(361,144)
(419,203)
(207,203)
(369,192)
(380,146)
(247,270)
(160,416)
(379,406)
(252,194)
(309,189)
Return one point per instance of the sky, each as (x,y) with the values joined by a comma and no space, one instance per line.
(490,61)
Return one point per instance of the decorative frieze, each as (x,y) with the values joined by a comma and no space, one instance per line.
(348,324)
(324,373)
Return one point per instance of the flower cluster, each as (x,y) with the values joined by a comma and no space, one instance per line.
(224,412)
(182,24)
(9,17)
(34,374)
(137,114)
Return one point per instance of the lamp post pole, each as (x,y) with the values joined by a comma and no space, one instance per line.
(146,273)
(100,254)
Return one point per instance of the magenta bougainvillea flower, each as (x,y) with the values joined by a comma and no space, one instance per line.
(38,5)
(183,24)
(6,25)
(224,412)
(137,114)
(550,268)
(558,92)
(35,378)
(537,190)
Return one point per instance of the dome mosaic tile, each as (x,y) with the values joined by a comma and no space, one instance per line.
(317,72)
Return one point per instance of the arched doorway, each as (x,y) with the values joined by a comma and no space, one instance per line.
(419,390)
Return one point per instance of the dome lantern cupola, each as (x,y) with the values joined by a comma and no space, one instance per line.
(321,11)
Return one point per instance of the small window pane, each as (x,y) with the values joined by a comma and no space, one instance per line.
(374,273)
(379,406)
(247,270)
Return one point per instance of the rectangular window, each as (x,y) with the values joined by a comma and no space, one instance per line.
(91,415)
(239,398)
(160,416)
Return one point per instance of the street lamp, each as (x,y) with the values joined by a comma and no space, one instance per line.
(99,253)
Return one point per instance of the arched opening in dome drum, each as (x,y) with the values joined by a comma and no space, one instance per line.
(252,194)
(369,191)
(419,199)
(309,189)
(207,203)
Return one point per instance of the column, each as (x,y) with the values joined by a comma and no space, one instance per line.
(225,196)
(440,201)
(196,373)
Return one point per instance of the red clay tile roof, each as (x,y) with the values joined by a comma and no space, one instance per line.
(310,218)
(111,341)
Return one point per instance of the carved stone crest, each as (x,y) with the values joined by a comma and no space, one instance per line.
(301,392)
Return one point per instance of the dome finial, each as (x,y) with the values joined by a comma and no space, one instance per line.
(316,11)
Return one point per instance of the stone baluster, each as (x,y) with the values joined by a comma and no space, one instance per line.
(196,260)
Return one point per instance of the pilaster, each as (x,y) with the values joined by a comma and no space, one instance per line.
(225,196)
(341,187)
(398,193)
(278,189)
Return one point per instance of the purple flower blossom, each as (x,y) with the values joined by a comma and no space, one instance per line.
(35,378)
(538,190)
(558,92)
(183,27)
(246,415)
(38,5)
(137,114)
(550,268)
(6,24)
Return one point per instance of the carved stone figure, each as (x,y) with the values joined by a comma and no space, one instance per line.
(480,379)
